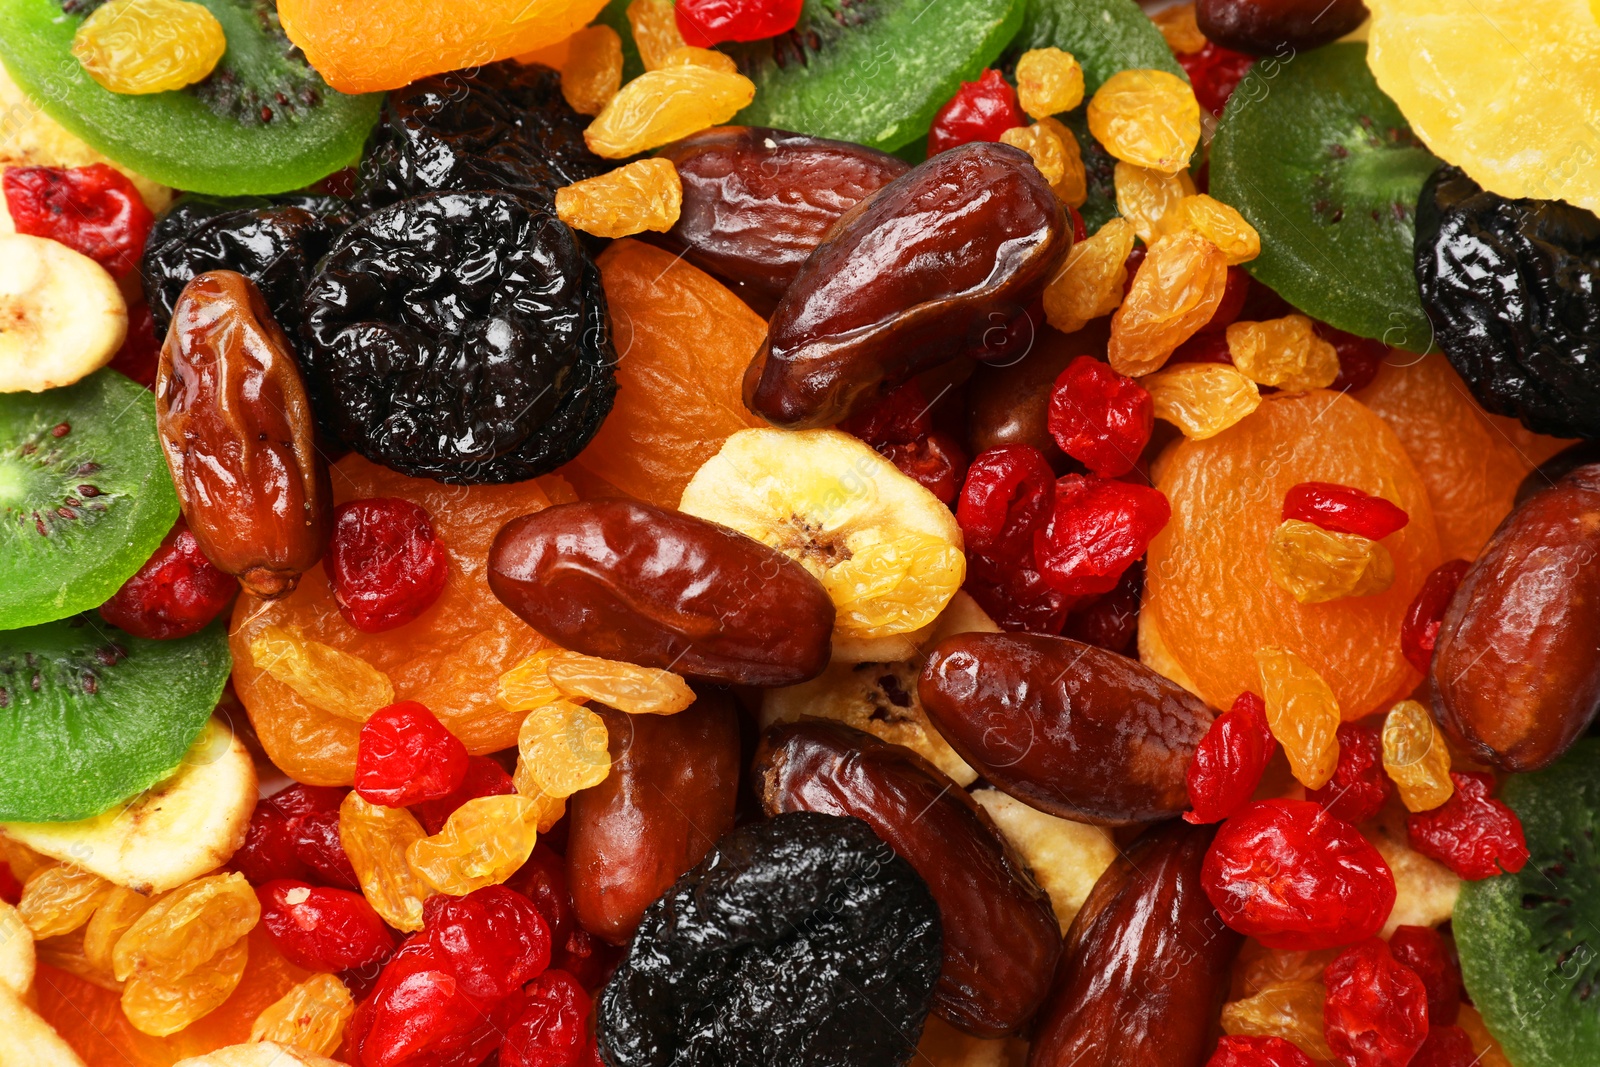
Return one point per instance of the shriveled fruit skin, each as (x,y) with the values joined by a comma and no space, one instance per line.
(447,659)
(1208,570)
(1009,404)
(662,106)
(638,196)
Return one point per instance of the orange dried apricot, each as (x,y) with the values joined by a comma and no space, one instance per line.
(592,73)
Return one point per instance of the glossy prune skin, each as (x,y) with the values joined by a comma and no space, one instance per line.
(670,795)
(933,267)
(1515,678)
(1147,963)
(800,940)
(1066,727)
(1001,938)
(757,201)
(1277,27)
(631,581)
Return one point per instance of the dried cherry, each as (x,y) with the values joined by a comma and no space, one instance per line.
(1472,833)
(385,563)
(176,593)
(94,210)
(1110,620)
(1247,1051)
(1426,952)
(1009,493)
(323,929)
(1096,531)
(417,1015)
(1215,72)
(900,427)
(1343,509)
(1359,787)
(1359,357)
(551,1028)
(484,778)
(405,755)
(1376,1014)
(493,939)
(1229,761)
(1099,417)
(707,22)
(980,111)
(1447,1046)
(1419,631)
(271,844)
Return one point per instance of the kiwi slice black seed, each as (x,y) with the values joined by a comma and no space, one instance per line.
(90,715)
(1322,163)
(1104,35)
(85,496)
(1530,941)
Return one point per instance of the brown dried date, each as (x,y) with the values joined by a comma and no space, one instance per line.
(1515,679)
(937,265)
(239,436)
(1069,728)
(670,795)
(1007,403)
(1001,940)
(1146,966)
(631,581)
(756,202)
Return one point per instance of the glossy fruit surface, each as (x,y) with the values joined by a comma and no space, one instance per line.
(1472,833)
(493,940)
(1377,1008)
(176,593)
(385,561)
(484,778)
(1099,417)
(134,47)
(979,111)
(1276,27)
(1427,952)
(1343,509)
(1097,529)
(708,22)
(1359,787)
(549,1029)
(323,929)
(94,210)
(1229,761)
(405,755)
(1257,1052)
(1419,632)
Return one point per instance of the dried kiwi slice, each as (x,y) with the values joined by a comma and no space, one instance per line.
(1325,167)
(1530,942)
(1104,35)
(93,715)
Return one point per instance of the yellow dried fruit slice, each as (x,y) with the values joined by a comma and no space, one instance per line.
(624,686)
(483,843)
(321,675)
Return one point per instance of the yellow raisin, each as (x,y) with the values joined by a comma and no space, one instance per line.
(1218,223)
(551,809)
(661,106)
(565,748)
(321,675)
(1260,967)
(483,843)
(690,56)
(1044,146)
(624,686)
(527,685)
(1049,81)
(655,31)
(1284,353)
(160,1006)
(1201,399)
(376,839)
(592,73)
(1146,197)
(22,860)
(1179,26)
(149,46)
(184,928)
(1073,188)
(65,952)
(644,195)
(120,910)
(61,898)
(1316,565)
(1292,1011)
(311,1016)
(1302,713)
(1175,292)
(1091,278)
(1147,117)
(1415,756)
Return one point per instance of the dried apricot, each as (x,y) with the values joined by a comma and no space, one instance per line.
(563,748)
(1146,117)
(592,73)
(624,686)
(661,106)
(1285,353)
(1049,81)
(161,1006)
(1147,197)
(311,1016)
(1090,281)
(1201,399)
(1177,289)
(377,839)
(643,195)
(185,928)
(1315,565)
(483,843)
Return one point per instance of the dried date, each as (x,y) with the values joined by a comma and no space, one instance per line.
(1007,403)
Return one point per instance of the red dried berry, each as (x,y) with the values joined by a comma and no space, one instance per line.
(1230,760)
(271,844)
(980,111)
(1290,875)
(1376,1010)
(1008,494)
(1215,72)
(901,417)
(1360,786)
(1204,348)
(140,353)
(704,23)
(1243,1051)
(1359,357)
(1097,529)
(405,755)
(1419,630)
(588,959)
(317,844)
(1099,417)
(484,778)
(94,210)
(1018,598)
(418,1016)
(301,800)
(1472,833)
(1343,509)
(1426,951)
(323,929)
(10,888)
(936,462)
(1447,1046)
(543,880)
(1110,621)
(386,564)
(493,939)
(551,1030)
(1132,264)
(1080,232)
(176,593)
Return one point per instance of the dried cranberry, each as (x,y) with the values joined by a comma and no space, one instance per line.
(271,848)
(588,959)
(551,1030)
(1245,1051)
(405,755)
(1214,71)
(493,939)
(1018,598)
(94,210)
(1009,493)
(1426,951)
(1230,761)
(323,929)
(1099,417)
(936,463)
(484,778)
(900,428)
(317,844)
(1290,875)
(176,593)
(299,800)
(980,111)
(1204,348)
(1447,1046)
(1097,528)
(901,417)
(140,353)
(1110,621)
(1359,357)
(1359,787)
(704,23)
(1420,629)
(1343,509)
(10,888)
(385,563)
(1376,1011)
(1472,833)
(418,1015)
(543,880)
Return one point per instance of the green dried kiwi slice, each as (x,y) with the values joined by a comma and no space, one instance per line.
(1530,941)
(85,496)
(1105,36)
(1323,165)
(263,122)
(90,715)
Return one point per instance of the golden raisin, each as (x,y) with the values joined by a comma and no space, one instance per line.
(483,843)
(1049,81)
(1302,713)
(527,685)
(644,195)
(1073,188)
(551,809)
(1285,353)
(1201,399)
(1147,197)
(1091,278)
(1291,1010)
(183,929)
(321,675)
(1179,26)
(64,952)
(1220,224)
(655,31)
(376,839)
(120,910)
(1260,967)
(565,748)
(310,1016)
(61,898)
(1415,757)
(1041,143)
(149,46)
(1175,292)
(1147,117)
(1316,565)
(159,1006)
(592,73)
(690,56)
(661,106)
(624,686)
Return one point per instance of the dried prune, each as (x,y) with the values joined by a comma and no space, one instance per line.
(1509,285)
(461,337)
(803,939)
(501,127)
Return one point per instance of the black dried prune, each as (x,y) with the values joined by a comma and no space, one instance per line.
(501,127)
(803,940)
(461,337)
(1513,289)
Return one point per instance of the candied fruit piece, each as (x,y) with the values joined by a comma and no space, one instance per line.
(980,111)
(1201,399)
(690,56)
(1146,117)
(1343,509)
(1426,952)
(376,839)
(1472,833)
(1175,292)
(1043,146)
(643,195)
(661,106)
(186,927)
(311,1016)
(708,22)
(149,46)
(1073,188)
(1218,223)
(624,686)
(592,73)
(1358,789)
(1049,81)
(1099,417)
(1091,279)
(1180,28)
(1416,757)
(483,843)
(527,685)
(1147,197)
(1009,493)
(1303,714)
(564,748)
(321,675)
(159,1006)
(1097,529)
(655,31)
(1316,565)
(60,898)
(1230,760)
(1419,631)
(1291,1011)
(406,756)
(1284,353)
(1377,1008)
(1250,1051)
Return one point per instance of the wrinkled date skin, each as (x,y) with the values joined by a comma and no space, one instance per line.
(239,436)
(1515,678)
(757,202)
(631,581)
(1277,27)
(935,266)
(1001,940)
(1069,728)
(1147,963)
(670,795)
